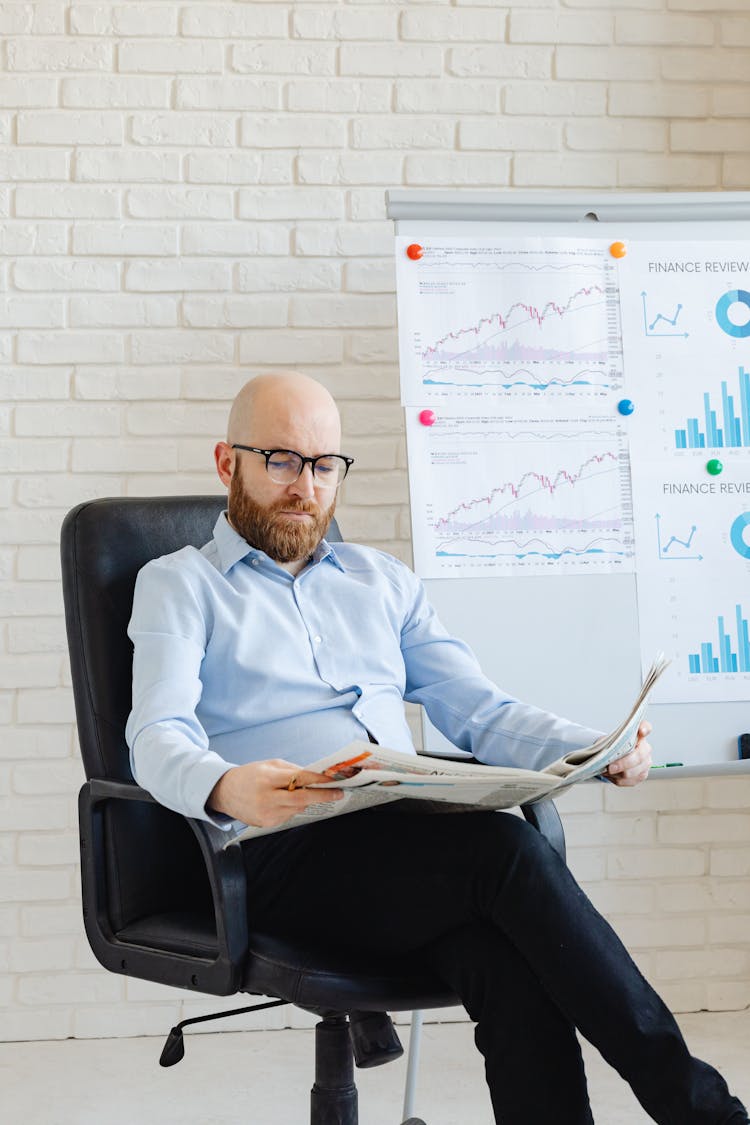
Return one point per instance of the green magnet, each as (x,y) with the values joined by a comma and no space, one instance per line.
(714,467)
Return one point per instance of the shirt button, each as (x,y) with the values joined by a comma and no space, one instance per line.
(254,562)
(317,640)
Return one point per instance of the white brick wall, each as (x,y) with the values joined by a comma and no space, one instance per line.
(193,192)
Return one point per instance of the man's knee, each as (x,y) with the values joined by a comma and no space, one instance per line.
(516,833)
(511,847)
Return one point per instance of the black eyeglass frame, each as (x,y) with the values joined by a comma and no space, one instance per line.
(311,461)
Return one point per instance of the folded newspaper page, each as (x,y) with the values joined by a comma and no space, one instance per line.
(371,775)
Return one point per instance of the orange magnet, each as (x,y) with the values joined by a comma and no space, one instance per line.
(618,249)
(414,251)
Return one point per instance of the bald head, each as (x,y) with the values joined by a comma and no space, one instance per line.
(282,408)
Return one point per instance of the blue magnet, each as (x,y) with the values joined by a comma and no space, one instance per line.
(626,406)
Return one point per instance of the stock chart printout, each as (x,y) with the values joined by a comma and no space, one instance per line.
(685,311)
(517,321)
(507,496)
(515,346)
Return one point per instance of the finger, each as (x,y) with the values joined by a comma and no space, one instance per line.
(638,769)
(304,797)
(634,768)
(629,780)
(309,777)
(621,764)
(635,765)
(634,762)
(286,775)
(281,804)
(640,751)
(644,730)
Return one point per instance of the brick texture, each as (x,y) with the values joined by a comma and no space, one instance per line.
(194,192)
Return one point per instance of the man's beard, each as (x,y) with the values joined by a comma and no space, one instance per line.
(264,527)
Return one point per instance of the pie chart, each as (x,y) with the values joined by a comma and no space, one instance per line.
(724,304)
(737,535)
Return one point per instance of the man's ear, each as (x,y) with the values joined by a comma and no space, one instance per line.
(225,459)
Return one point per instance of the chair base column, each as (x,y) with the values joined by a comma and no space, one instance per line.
(333,1098)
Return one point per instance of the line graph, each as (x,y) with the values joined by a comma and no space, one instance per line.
(531,483)
(516,434)
(674,547)
(495,497)
(544,549)
(520,314)
(437,265)
(651,322)
(485,341)
(511,321)
(592,378)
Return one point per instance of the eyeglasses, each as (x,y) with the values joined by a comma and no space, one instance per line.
(284,466)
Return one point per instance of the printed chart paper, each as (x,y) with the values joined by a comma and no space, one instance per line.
(495,496)
(686,344)
(516,345)
(509,320)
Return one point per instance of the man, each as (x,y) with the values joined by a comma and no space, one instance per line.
(267,649)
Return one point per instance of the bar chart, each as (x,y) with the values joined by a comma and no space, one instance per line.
(734,431)
(728,653)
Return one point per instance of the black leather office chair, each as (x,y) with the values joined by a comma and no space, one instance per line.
(162,900)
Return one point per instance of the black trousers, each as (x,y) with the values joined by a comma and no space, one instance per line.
(501,919)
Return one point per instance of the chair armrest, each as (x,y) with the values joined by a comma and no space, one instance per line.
(545,817)
(101,788)
(220,975)
(226,873)
(542,814)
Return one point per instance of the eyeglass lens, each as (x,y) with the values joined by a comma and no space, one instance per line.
(285,466)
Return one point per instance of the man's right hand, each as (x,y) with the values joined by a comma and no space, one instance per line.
(259,793)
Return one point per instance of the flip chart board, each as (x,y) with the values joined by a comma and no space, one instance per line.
(575,373)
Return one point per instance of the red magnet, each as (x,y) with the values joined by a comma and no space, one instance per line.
(427,417)
(414,251)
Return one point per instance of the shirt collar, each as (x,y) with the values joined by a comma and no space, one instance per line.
(232,548)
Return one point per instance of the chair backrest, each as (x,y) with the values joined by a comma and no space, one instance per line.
(104,544)
(152,858)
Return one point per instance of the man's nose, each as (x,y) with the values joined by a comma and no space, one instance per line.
(304,486)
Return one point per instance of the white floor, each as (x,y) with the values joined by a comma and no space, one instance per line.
(263,1078)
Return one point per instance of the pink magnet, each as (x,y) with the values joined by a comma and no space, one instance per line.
(427,417)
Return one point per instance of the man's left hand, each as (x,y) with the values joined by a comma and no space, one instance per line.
(633,768)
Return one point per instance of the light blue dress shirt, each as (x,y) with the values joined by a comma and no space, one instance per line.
(236,660)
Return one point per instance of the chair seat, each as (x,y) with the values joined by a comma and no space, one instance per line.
(341,979)
(310,977)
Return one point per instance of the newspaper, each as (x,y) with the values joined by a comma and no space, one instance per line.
(370,774)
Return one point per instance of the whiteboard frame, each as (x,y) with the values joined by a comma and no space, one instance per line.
(546,206)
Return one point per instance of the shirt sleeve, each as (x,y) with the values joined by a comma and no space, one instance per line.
(169,748)
(443,675)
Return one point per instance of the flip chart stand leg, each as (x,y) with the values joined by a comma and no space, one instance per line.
(412,1063)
